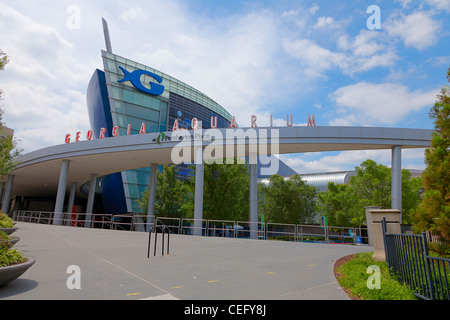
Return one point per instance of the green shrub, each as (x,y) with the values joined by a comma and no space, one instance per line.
(354,278)
(8,255)
(5,221)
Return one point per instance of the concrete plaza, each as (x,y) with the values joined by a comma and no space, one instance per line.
(114,266)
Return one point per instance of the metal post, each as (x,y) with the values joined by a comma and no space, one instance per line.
(199,181)
(396,179)
(253,172)
(90,202)
(61,192)
(168,241)
(73,189)
(9,185)
(152,195)
(162,244)
(149,241)
(156,240)
(427,264)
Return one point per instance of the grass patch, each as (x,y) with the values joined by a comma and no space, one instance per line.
(353,277)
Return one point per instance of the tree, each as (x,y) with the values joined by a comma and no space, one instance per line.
(371,186)
(173,197)
(434,210)
(336,204)
(226,191)
(287,200)
(8,144)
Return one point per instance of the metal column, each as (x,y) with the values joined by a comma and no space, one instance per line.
(198,204)
(253,172)
(59,205)
(7,195)
(90,202)
(151,196)
(396,179)
(73,189)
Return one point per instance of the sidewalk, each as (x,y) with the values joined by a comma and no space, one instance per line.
(114,265)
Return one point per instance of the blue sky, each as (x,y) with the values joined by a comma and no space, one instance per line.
(252,57)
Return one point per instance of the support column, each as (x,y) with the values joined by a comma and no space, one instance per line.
(73,189)
(90,202)
(396,179)
(61,192)
(151,196)
(198,200)
(392,225)
(253,171)
(7,195)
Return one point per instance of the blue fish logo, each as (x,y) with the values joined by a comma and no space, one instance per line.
(135,79)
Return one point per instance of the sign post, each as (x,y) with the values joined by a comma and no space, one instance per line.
(263,225)
(324,224)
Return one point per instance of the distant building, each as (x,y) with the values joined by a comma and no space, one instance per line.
(5,131)
(321,180)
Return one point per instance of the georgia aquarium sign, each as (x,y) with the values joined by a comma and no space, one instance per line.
(134,77)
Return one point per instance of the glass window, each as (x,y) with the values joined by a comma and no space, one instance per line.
(121,120)
(134,193)
(127,96)
(137,98)
(155,104)
(140,112)
(135,206)
(150,102)
(164,107)
(116,93)
(121,60)
(119,106)
(131,176)
(142,178)
(112,66)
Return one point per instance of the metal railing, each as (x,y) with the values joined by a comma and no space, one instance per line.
(409,261)
(204,227)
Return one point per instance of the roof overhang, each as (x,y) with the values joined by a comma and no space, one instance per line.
(37,173)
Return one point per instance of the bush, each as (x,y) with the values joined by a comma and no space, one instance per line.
(5,221)
(354,278)
(8,255)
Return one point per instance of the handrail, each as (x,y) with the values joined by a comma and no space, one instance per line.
(227,228)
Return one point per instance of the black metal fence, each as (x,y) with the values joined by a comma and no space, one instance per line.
(408,259)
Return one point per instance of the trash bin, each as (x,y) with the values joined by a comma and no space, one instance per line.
(358,240)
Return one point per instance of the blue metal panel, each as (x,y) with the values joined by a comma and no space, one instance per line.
(100,117)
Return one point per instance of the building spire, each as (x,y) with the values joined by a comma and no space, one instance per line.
(106,34)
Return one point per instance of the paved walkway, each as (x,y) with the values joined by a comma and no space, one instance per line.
(114,265)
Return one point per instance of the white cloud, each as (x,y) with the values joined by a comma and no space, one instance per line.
(363,53)
(440,4)
(134,14)
(348,160)
(323,22)
(417,30)
(45,91)
(334,161)
(374,104)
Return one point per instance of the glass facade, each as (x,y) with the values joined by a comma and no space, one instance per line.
(125,105)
